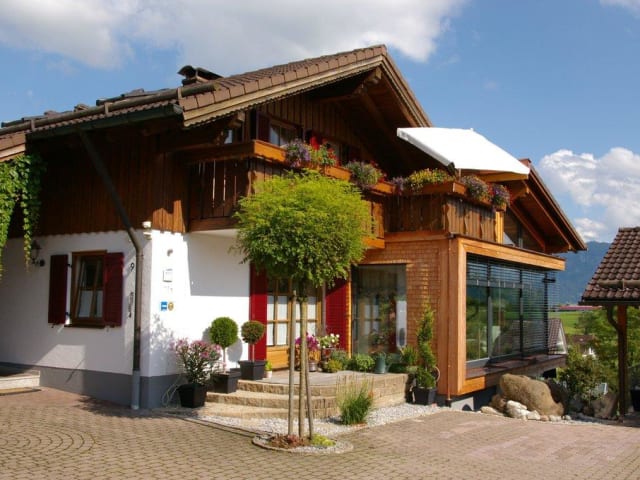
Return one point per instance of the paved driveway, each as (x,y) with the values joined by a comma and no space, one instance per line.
(54,435)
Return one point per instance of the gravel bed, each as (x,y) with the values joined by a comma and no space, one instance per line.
(330,427)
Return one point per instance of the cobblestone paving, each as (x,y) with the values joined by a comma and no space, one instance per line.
(55,435)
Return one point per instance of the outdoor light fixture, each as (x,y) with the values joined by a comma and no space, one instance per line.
(35,253)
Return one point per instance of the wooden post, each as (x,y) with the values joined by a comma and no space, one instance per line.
(623,351)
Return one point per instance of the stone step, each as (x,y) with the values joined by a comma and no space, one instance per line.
(11,379)
(269,397)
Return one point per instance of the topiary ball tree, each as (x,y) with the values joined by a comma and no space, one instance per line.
(251,333)
(224,332)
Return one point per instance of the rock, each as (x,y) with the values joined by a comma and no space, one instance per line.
(605,406)
(555,418)
(559,393)
(544,418)
(517,410)
(535,394)
(491,411)
(498,402)
(533,415)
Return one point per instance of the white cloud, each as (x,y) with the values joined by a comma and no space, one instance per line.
(631,5)
(226,37)
(604,192)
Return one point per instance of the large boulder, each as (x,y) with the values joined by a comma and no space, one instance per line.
(534,394)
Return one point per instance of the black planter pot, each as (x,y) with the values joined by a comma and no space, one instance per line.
(424,396)
(252,370)
(192,395)
(226,382)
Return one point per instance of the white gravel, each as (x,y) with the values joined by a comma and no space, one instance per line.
(330,427)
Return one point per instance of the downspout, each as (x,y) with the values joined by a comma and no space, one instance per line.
(108,183)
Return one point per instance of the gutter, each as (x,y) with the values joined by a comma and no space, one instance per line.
(108,183)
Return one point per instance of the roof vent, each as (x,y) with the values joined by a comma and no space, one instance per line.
(196,75)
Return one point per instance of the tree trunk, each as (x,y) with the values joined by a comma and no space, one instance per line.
(292,357)
(306,382)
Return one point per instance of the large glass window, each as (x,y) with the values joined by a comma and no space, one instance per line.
(278,306)
(379,308)
(507,309)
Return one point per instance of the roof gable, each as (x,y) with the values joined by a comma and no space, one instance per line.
(617,278)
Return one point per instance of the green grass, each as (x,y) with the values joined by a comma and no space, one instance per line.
(569,322)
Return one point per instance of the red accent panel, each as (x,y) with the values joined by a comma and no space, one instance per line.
(336,304)
(258,308)
(58,289)
(113,263)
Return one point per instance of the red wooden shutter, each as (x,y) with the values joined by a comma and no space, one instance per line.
(336,304)
(58,289)
(112,307)
(258,307)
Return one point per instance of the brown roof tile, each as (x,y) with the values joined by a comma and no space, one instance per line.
(617,279)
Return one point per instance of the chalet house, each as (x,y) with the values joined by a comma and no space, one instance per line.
(136,227)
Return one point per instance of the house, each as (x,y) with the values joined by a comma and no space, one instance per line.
(136,227)
(615,286)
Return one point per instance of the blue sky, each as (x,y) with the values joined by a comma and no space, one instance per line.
(555,81)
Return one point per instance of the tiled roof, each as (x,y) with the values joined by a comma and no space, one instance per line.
(201,102)
(617,279)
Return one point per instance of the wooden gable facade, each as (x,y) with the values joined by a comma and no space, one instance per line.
(182,158)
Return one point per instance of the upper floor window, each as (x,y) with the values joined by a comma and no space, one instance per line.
(281,133)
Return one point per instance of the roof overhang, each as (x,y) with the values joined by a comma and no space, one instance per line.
(466,151)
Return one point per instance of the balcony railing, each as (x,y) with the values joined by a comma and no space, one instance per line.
(221,176)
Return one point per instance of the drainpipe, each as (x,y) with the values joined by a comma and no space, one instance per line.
(108,183)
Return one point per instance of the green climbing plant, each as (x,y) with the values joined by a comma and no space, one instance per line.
(20,184)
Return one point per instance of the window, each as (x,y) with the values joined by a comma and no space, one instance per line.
(281,133)
(508,309)
(278,308)
(379,308)
(95,298)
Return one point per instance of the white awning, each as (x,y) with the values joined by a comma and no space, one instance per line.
(465,150)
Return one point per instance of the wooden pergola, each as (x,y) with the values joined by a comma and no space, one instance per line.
(616,284)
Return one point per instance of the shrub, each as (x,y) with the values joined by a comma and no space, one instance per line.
(409,355)
(361,362)
(354,399)
(582,375)
(251,331)
(333,365)
(341,356)
(223,332)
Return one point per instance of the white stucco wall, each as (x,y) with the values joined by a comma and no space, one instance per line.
(25,335)
(188,280)
(202,280)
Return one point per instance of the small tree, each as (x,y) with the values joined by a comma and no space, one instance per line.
(224,332)
(307,228)
(251,333)
(425,373)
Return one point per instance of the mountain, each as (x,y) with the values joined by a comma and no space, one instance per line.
(580,267)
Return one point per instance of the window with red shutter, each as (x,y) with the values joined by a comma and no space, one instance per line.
(96,295)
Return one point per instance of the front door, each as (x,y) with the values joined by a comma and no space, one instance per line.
(279,306)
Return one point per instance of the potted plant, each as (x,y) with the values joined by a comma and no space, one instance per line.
(251,332)
(224,332)
(364,174)
(268,369)
(426,376)
(313,351)
(196,359)
(381,362)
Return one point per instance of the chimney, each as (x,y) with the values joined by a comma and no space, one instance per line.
(196,75)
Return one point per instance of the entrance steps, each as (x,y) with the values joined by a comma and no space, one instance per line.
(18,381)
(269,398)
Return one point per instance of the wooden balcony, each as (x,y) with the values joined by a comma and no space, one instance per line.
(221,176)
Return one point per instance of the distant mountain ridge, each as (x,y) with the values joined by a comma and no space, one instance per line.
(580,267)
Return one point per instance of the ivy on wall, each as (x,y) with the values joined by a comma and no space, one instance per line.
(20,184)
